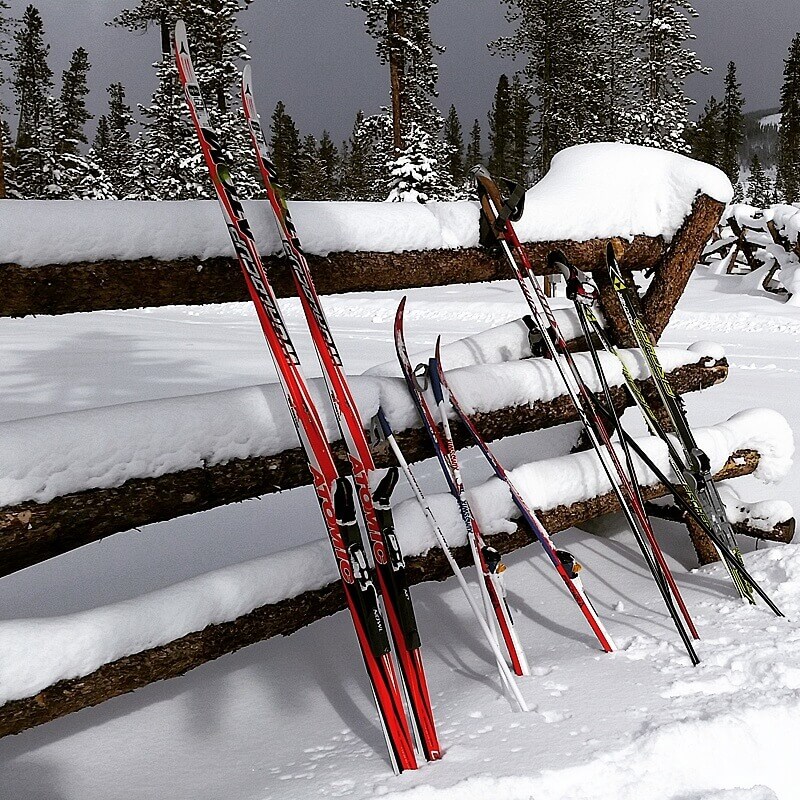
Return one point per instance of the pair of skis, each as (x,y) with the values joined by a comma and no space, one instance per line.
(333,489)
(486,558)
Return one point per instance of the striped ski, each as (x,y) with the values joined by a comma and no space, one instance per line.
(390,567)
(487,559)
(558,558)
(334,492)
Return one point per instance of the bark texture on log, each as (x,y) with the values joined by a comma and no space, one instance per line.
(669,281)
(101,285)
(34,532)
(284,618)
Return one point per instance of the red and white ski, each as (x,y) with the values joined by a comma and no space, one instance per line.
(334,492)
(389,564)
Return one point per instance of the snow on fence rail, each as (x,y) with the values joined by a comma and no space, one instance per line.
(51,667)
(73,478)
(97,255)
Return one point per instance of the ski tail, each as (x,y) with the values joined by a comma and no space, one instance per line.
(359,589)
(544,321)
(384,432)
(389,564)
(563,561)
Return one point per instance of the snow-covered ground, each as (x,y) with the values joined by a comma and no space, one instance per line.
(292,718)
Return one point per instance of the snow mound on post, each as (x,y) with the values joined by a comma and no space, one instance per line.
(612,189)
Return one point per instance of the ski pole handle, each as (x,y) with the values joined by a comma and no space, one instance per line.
(436,384)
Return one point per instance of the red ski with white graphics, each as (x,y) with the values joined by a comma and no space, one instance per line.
(389,565)
(334,492)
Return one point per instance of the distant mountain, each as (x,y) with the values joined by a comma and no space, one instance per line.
(761,136)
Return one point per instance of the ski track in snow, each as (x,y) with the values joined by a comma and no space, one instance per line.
(290,719)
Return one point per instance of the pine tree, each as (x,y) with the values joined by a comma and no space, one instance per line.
(521,130)
(454,139)
(69,167)
(118,158)
(618,67)
(31,82)
(7,185)
(501,129)
(286,150)
(668,63)
(169,165)
(759,186)
(560,73)
(475,146)
(732,122)
(361,178)
(404,42)
(705,137)
(788,180)
(330,160)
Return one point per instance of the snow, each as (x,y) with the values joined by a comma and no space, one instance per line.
(292,719)
(594,190)
(773,120)
(611,189)
(36,653)
(47,456)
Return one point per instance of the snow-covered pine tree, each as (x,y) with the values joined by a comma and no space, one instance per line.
(788,180)
(454,139)
(364,175)
(705,136)
(618,65)
(554,37)
(759,186)
(286,150)
(31,82)
(117,156)
(71,169)
(732,129)
(169,165)
(7,188)
(401,29)
(668,62)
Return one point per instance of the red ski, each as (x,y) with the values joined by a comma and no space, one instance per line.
(389,564)
(333,491)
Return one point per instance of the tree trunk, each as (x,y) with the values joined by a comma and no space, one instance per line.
(396,31)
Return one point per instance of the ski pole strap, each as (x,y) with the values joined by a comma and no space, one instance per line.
(381,429)
(579,288)
(383,494)
(512,207)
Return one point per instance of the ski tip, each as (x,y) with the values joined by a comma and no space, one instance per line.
(247,80)
(438,349)
(611,254)
(398,317)
(180,31)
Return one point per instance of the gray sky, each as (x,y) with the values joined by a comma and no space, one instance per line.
(316,57)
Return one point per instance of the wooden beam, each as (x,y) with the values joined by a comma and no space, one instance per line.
(101,285)
(282,619)
(33,532)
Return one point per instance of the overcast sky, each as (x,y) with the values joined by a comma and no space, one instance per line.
(316,57)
